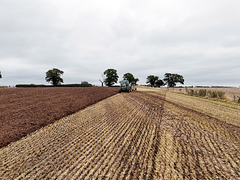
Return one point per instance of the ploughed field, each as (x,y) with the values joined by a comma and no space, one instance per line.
(24,110)
(139,135)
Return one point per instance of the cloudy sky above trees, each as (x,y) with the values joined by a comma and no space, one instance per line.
(199,39)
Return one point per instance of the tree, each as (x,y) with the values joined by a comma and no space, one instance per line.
(151,79)
(154,81)
(54,76)
(130,78)
(85,84)
(0,75)
(172,79)
(159,83)
(136,80)
(111,77)
(102,80)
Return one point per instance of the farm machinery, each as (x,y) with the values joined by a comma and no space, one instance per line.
(125,86)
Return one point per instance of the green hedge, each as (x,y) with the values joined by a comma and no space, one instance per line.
(31,85)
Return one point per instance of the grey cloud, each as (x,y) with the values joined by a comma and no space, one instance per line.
(198,39)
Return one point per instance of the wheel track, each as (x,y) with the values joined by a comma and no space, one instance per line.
(231,131)
(216,139)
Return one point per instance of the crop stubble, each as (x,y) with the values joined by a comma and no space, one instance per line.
(139,135)
(231,93)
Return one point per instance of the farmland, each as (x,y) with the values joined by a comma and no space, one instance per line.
(231,93)
(24,110)
(147,134)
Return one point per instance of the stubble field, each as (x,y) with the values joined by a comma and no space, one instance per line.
(140,135)
(232,94)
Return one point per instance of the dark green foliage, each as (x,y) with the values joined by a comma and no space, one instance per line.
(172,79)
(31,85)
(130,78)
(54,76)
(151,80)
(83,84)
(111,77)
(136,80)
(159,83)
(154,81)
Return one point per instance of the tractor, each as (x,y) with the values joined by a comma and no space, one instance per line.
(125,86)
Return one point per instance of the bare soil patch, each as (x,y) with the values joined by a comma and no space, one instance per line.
(24,110)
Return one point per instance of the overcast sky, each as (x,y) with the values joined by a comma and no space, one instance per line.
(199,39)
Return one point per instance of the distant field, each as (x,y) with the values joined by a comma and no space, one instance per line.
(24,110)
(231,93)
(147,134)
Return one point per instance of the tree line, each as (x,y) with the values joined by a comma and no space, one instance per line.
(169,79)
(110,77)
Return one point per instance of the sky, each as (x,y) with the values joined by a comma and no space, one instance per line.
(198,39)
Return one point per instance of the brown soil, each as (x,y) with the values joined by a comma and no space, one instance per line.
(24,110)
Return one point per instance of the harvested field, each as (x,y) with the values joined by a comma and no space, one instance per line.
(138,135)
(232,94)
(24,110)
